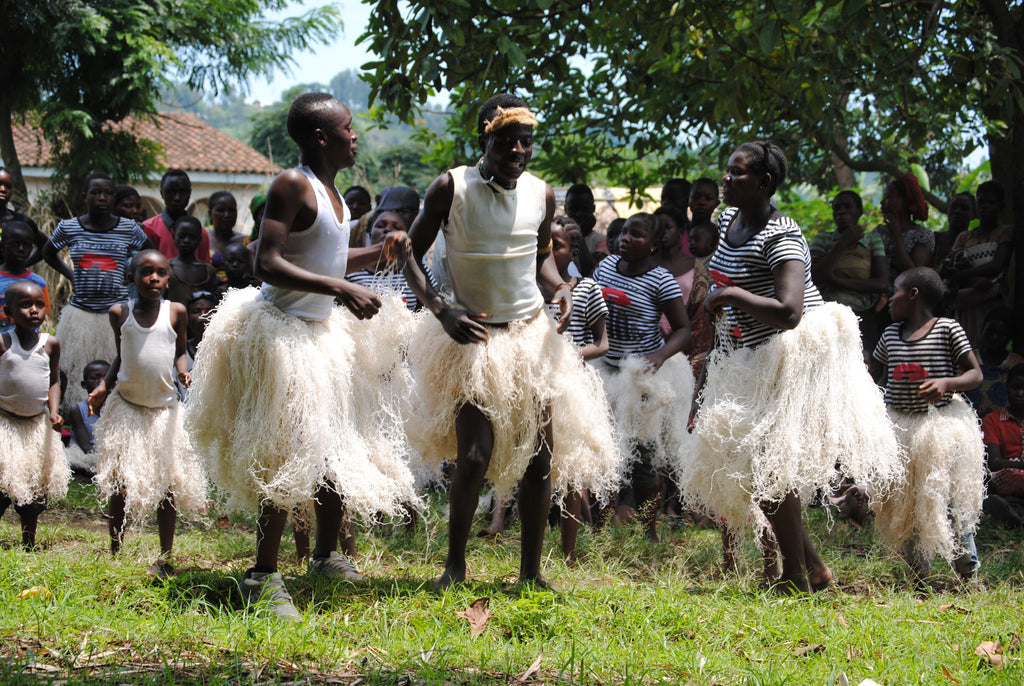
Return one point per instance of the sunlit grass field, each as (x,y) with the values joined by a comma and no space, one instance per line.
(628,613)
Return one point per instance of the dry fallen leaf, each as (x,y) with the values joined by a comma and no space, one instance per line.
(36,592)
(948,675)
(530,671)
(842,619)
(812,649)
(477,615)
(944,608)
(990,653)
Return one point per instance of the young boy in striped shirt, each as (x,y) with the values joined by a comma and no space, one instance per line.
(927,360)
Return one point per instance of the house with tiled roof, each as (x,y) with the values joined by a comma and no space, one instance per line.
(214,161)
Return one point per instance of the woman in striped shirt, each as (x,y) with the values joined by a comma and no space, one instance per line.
(784,395)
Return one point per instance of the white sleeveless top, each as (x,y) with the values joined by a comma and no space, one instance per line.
(321,249)
(147,375)
(491,240)
(25,378)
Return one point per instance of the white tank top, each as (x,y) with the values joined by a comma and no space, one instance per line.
(321,249)
(25,378)
(147,375)
(491,244)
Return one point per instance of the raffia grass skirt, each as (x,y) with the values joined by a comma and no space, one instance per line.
(144,454)
(520,370)
(939,502)
(84,336)
(779,418)
(32,462)
(276,410)
(78,458)
(650,408)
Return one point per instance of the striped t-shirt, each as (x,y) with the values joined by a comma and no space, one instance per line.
(386,282)
(933,356)
(635,305)
(587,307)
(750,266)
(99,258)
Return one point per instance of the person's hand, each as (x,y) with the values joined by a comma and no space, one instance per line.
(56,421)
(717,299)
(932,390)
(185,379)
(563,298)
(97,398)
(463,326)
(654,361)
(359,300)
(397,247)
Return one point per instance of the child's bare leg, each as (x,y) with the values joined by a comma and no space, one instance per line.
(790,533)
(347,536)
(819,576)
(166,518)
(498,508)
(115,522)
(269,528)
(29,521)
(534,504)
(330,511)
(729,550)
(647,490)
(475,439)
(572,510)
(302,524)
(769,557)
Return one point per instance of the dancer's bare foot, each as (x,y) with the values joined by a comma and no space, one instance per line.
(819,579)
(449,578)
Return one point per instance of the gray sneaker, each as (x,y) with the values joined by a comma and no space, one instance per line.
(267,590)
(335,566)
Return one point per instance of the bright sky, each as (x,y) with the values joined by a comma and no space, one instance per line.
(323,61)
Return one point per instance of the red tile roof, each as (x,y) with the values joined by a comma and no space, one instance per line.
(189,143)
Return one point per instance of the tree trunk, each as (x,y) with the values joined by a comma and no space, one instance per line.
(9,153)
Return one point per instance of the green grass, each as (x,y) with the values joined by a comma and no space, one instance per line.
(628,613)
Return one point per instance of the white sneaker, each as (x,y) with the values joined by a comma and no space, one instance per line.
(268,590)
(335,566)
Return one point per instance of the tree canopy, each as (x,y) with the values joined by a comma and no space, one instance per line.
(78,66)
(874,84)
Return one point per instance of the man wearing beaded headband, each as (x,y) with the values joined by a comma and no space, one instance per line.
(498,388)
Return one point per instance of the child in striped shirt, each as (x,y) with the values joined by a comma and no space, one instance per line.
(926,360)
(646,383)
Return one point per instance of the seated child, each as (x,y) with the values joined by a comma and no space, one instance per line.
(236,262)
(188,273)
(1003,430)
(996,360)
(198,308)
(703,240)
(926,360)
(17,247)
(79,451)
(33,465)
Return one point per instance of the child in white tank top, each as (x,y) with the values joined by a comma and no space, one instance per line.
(33,465)
(143,455)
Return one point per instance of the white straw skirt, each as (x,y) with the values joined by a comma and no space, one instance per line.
(277,410)
(84,336)
(940,500)
(144,454)
(520,370)
(32,462)
(780,417)
(650,408)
